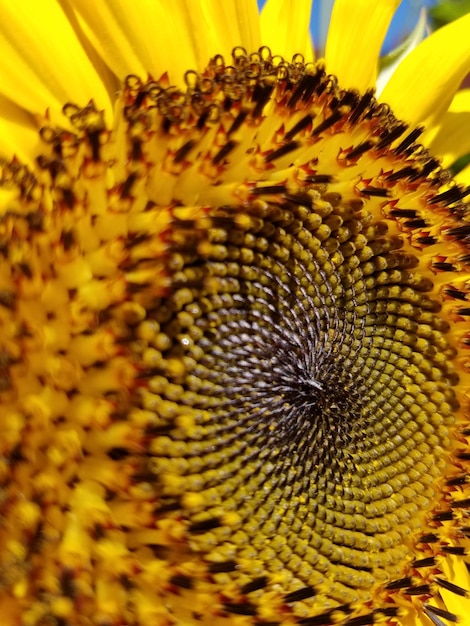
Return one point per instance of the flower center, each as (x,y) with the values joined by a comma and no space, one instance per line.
(309,345)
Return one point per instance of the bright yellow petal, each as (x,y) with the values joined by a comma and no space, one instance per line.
(18,131)
(285,26)
(423,86)
(463,177)
(43,64)
(355,37)
(216,27)
(452,137)
(142,37)
(414,38)
(138,37)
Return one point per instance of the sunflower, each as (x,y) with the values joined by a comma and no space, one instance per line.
(234,285)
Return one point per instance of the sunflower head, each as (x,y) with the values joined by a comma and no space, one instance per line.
(234,359)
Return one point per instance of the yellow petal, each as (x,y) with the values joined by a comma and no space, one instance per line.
(18,131)
(452,137)
(43,64)
(463,177)
(424,84)
(285,26)
(216,27)
(137,37)
(357,30)
(415,37)
(146,38)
